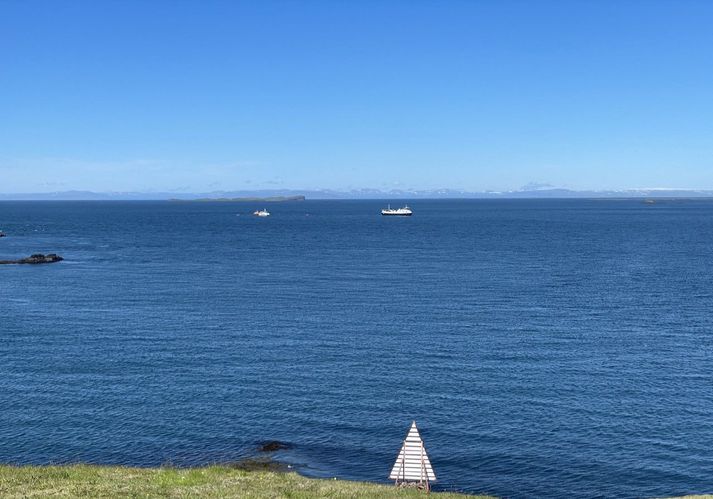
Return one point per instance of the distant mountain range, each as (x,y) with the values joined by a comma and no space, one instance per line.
(358,194)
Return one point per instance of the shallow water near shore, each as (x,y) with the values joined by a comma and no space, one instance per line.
(559,348)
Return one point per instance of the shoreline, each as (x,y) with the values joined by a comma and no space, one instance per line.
(248,478)
(252,478)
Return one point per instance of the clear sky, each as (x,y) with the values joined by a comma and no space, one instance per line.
(480,95)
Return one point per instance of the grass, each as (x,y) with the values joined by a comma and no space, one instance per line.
(211,482)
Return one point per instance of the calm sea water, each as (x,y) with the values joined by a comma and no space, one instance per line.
(545,348)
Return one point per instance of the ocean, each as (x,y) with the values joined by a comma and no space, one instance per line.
(545,348)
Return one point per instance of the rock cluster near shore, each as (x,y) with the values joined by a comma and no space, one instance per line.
(273,445)
(37,258)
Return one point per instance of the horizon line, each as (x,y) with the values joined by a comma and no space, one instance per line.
(356,194)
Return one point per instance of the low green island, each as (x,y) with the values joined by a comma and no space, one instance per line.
(224,481)
(271,199)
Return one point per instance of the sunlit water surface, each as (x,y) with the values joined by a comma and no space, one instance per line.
(545,348)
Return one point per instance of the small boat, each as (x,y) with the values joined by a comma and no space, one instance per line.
(261,213)
(2,234)
(399,212)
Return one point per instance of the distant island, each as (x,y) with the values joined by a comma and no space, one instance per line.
(277,195)
(271,199)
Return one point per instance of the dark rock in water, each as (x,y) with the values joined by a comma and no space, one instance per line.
(34,259)
(40,258)
(273,445)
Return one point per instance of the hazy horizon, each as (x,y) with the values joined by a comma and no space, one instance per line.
(532,187)
(365,194)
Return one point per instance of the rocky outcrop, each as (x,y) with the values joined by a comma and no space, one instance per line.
(37,258)
(273,445)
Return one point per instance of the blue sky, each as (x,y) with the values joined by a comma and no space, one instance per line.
(478,95)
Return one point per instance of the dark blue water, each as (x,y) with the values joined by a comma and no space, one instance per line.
(546,348)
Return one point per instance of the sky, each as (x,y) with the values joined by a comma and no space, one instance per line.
(198,96)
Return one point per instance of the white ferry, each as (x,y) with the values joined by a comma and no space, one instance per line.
(261,213)
(399,212)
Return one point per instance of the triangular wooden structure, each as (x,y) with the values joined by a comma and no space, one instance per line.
(413,465)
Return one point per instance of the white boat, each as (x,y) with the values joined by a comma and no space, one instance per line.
(398,212)
(261,213)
